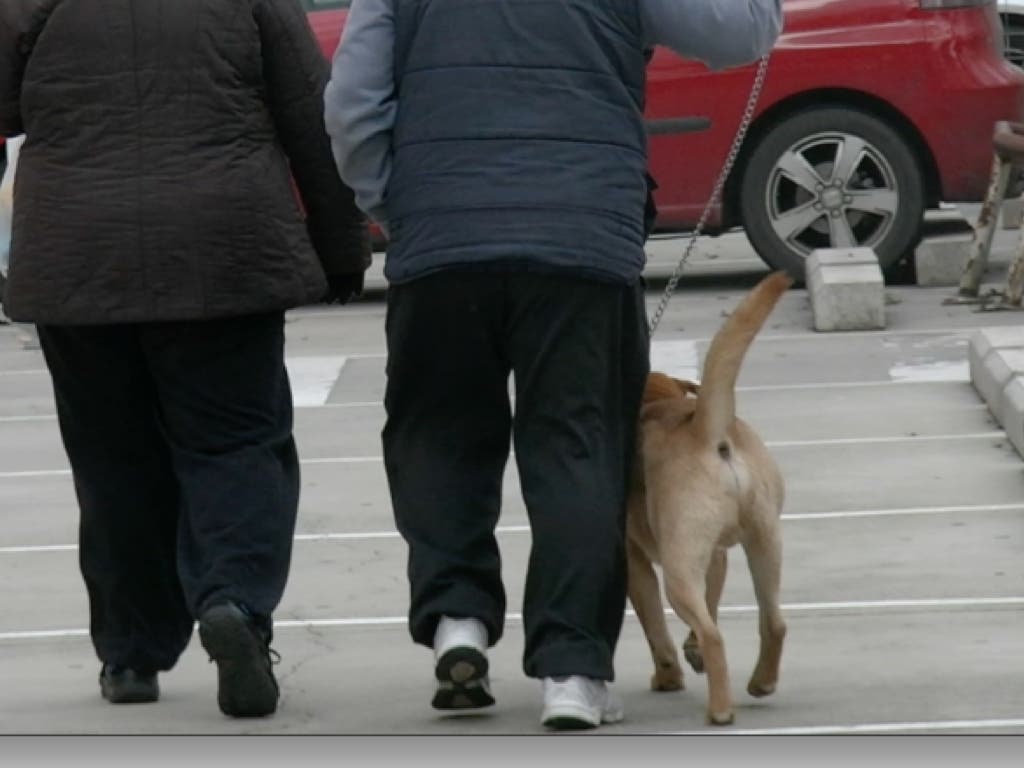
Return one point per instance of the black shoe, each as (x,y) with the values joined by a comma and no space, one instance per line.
(245,681)
(120,685)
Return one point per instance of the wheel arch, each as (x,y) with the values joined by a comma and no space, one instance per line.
(829,99)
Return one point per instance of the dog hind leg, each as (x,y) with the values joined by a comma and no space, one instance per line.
(645,595)
(764,556)
(686,594)
(716,583)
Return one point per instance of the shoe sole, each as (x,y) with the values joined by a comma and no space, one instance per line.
(462,680)
(569,718)
(135,693)
(245,685)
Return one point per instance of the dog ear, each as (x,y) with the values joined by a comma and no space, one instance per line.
(660,387)
(666,414)
(649,411)
(654,412)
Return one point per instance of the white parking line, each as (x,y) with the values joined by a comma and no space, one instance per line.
(375,404)
(38,549)
(882,440)
(313,378)
(343,460)
(958,333)
(520,529)
(990,435)
(335,314)
(35,473)
(938,370)
(390,621)
(761,388)
(815,730)
(845,385)
(899,511)
(377,459)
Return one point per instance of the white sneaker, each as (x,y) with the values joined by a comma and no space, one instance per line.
(460,665)
(573,703)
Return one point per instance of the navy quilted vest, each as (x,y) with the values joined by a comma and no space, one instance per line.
(519,138)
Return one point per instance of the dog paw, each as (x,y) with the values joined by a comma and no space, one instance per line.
(720,718)
(668,679)
(759,689)
(691,650)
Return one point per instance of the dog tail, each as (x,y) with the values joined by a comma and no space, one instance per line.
(716,405)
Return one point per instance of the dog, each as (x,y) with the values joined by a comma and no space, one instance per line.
(703,482)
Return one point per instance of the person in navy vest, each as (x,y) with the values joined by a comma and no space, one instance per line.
(500,145)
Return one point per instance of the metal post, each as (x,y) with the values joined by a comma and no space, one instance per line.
(1015,277)
(984,230)
(1008,143)
(1014,289)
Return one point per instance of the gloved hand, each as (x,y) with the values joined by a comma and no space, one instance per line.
(342,288)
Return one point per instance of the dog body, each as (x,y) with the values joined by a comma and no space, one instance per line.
(703,482)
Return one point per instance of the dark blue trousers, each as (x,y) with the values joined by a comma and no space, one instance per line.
(180,442)
(577,351)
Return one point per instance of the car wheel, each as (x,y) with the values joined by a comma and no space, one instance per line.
(832,178)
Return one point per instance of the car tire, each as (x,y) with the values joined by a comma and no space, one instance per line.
(800,191)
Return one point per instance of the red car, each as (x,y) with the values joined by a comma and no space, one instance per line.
(872,112)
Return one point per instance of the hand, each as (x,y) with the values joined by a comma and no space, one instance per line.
(342,288)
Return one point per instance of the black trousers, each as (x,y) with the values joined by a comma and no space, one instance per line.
(186,472)
(578,351)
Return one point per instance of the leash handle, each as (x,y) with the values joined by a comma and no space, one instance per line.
(716,193)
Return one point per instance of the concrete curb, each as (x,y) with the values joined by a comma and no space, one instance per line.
(996,360)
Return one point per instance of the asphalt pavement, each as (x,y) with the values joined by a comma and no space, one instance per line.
(903,580)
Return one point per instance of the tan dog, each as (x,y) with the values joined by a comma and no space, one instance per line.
(704,482)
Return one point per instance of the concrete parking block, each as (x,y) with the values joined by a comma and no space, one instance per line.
(1013,213)
(1011,410)
(946,213)
(940,261)
(998,368)
(1001,367)
(846,288)
(989,373)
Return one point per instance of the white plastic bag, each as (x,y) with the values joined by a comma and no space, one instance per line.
(7,202)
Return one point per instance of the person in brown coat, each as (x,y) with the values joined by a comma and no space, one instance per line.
(157,242)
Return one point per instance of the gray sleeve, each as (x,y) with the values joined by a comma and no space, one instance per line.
(719,33)
(360,104)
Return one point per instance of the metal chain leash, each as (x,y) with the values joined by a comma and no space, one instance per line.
(716,194)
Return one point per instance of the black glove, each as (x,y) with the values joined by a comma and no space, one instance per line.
(342,288)
(650,208)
